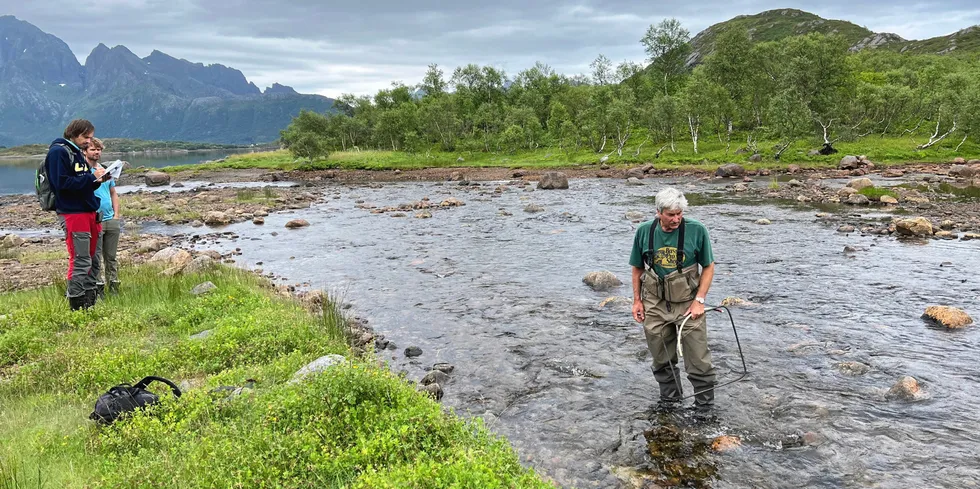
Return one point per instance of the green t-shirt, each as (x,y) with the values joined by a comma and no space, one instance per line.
(697,246)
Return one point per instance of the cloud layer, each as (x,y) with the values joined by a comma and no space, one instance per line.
(362,46)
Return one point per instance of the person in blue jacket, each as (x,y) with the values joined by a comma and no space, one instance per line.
(74,184)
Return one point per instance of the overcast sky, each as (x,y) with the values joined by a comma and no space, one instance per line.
(359,46)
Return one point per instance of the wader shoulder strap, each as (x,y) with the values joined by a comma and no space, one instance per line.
(649,254)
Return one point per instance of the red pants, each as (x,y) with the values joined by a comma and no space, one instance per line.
(81,236)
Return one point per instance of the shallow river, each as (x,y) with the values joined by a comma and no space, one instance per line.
(501,297)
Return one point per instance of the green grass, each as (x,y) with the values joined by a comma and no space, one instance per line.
(356,425)
(712,152)
(876,193)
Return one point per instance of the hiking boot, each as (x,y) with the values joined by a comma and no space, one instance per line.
(100,291)
(113,288)
(90,297)
(76,303)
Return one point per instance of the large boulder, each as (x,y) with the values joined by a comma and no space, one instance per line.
(963,171)
(317,366)
(730,170)
(216,218)
(11,241)
(199,264)
(553,180)
(603,280)
(947,316)
(917,226)
(156,179)
(635,173)
(860,183)
(849,162)
(171,257)
(858,199)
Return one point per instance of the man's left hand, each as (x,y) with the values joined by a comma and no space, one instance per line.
(696,310)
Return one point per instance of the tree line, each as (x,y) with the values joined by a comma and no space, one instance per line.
(809,87)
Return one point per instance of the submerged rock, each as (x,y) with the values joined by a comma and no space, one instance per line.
(603,280)
(433,390)
(435,377)
(852,368)
(947,316)
(413,351)
(906,389)
(726,443)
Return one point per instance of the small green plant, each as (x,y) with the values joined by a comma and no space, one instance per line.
(773,184)
(876,193)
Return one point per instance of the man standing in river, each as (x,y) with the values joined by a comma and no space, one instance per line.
(74,184)
(672,271)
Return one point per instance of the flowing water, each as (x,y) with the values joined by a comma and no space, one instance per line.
(17,174)
(498,292)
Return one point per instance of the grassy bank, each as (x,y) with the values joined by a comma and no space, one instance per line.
(710,152)
(356,425)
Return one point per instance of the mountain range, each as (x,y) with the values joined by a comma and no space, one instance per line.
(43,86)
(159,97)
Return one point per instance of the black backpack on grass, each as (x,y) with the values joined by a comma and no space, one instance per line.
(125,398)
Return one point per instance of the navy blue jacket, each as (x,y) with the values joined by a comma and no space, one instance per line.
(71,178)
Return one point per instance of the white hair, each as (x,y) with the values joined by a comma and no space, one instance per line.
(671,199)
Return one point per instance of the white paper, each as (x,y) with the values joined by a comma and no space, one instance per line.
(115,169)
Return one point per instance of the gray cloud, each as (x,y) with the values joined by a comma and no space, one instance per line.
(362,46)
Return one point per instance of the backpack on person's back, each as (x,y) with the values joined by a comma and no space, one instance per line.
(42,184)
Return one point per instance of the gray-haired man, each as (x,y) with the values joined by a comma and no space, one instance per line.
(671,282)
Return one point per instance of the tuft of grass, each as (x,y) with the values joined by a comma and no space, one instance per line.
(876,193)
(354,425)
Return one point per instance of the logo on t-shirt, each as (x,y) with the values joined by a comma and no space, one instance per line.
(666,257)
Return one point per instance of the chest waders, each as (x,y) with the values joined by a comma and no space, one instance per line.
(664,293)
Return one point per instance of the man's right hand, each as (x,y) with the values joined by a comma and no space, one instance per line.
(638,313)
(100,174)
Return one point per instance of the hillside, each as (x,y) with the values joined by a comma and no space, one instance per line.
(773,25)
(159,97)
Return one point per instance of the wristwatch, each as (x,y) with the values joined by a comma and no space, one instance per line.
(699,299)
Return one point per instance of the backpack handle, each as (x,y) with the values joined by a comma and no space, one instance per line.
(150,378)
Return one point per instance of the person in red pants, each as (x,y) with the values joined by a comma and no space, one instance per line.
(74,184)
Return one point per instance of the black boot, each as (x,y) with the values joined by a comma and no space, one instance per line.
(100,291)
(113,288)
(90,297)
(76,303)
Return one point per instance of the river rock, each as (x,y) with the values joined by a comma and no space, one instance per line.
(917,226)
(444,367)
(634,216)
(893,173)
(755,158)
(858,199)
(318,366)
(603,280)
(533,208)
(959,160)
(258,221)
(452,202)
(860,183)
(794,168)
(852,368)
(413,351)
(888,199)
(763,222)
(616,301)
(435,377)
(171,256)
(201,289)
(740,187)
(849,162)
(151,245)
(297,223)
(156,179)
(726,443)
(199,264)
(553,180)
(733,301)
(963,171)
(634,181)
(947,316)
(969,236)
(906,389)
(216,218)
(846,192)
(846,228)
(12,241)
(730,170)
(794,183)
(433,390)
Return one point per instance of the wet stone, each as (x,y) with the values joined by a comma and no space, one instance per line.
(413,351)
